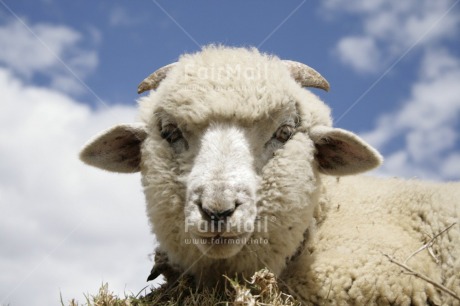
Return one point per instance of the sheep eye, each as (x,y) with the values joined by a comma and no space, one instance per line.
(284,133)
(171,133)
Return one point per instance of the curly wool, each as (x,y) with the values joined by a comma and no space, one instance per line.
(362,218)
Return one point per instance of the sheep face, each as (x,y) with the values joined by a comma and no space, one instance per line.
(222,185)
(219,167)
(229,157)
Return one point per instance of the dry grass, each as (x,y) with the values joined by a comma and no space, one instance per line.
(261,290)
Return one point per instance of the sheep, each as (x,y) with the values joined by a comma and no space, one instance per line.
(239,164)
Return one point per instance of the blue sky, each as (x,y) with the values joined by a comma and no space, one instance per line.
(69,69)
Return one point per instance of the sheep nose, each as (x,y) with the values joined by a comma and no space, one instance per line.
(218,215)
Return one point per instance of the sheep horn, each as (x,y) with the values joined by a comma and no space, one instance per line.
(153,80)
(306,76)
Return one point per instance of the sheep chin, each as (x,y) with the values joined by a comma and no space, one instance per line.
(219,247)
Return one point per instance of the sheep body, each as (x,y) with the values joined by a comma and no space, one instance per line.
(362,218)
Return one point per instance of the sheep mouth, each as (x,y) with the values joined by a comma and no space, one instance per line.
(218,234)
(219,246)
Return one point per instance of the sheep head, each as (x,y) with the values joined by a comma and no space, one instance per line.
(230,149)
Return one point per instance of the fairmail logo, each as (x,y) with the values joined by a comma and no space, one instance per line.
(219,226)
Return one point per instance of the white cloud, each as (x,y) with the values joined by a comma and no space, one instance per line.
(359,52)
(451,166)
(427,122)
(64,227)
(353,6)
(399,164)
(120,17)
(44,49)
(420,138)
(438,63)
(429,144)
(393,27)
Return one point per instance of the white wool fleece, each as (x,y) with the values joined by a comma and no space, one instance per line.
(362,218)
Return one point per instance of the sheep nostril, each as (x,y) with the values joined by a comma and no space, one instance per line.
(217,215)
(205,211)
(225,213)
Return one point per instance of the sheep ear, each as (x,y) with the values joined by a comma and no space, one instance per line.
(340,152)
(116,149)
